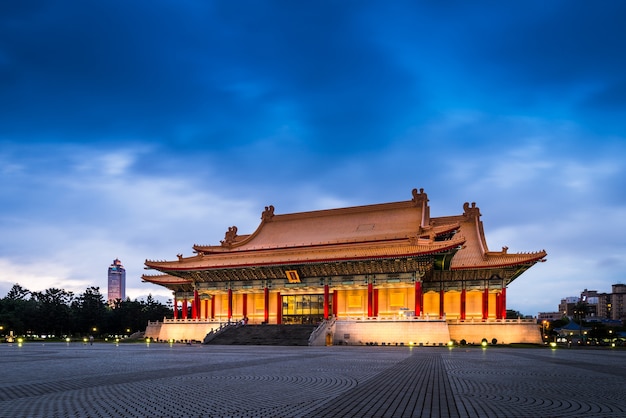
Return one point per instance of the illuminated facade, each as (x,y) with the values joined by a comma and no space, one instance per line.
(389,261)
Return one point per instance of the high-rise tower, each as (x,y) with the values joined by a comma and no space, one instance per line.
(117,282)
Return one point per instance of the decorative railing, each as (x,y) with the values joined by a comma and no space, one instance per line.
(321,328)
(195,320)
(402,318)
(393,318)
(214,333)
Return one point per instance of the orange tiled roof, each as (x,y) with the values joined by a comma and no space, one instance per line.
(475,253)
(388,230)
(164,279)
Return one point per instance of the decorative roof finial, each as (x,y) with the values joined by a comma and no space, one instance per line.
(230,236)
(420,197)
(268,213)
(471,212)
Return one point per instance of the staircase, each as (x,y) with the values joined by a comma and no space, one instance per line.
(264,335)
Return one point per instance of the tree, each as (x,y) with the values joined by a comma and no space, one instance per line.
(134,315)
(511,314)
(125,317)
(17,292)
(17,311)
(155,310)
(58,312)
(53,312)
(89,311)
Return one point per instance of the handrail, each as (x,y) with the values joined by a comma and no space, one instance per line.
(326,323)
(212,334)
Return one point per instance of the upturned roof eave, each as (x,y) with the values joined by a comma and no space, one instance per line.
(165,279)
(505,262)
(176,266)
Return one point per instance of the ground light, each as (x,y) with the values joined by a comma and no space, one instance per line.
(484,344)
(450,343)
(552,344)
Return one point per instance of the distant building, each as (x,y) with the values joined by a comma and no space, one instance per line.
(116,282)
(567,305)
(549,316)
(617,298)
(593,300)
(605,306)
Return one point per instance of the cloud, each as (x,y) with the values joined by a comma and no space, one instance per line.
(134,131)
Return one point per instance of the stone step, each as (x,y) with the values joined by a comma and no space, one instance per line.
(284,335)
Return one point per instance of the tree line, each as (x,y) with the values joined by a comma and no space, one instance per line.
(59,313)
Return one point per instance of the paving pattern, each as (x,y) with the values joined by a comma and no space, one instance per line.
(159,380)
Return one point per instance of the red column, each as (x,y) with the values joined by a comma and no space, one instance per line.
(369,299)
(213,307)
(498,310)
(418,298)
(335,303)
(196,296)
(375,302)
(184,308)
(206,309)
(230,303)
(279,309)
(194,305)
(266,307)
(441,297)
(175,308)
(245,305)
(503,303)
(463,303)
(486,304)
(326,300)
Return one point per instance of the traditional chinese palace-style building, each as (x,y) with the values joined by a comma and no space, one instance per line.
(380,273)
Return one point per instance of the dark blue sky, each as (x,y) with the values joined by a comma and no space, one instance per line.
(134,130)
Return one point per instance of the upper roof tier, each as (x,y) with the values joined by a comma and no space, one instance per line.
(387,230)
(371,223)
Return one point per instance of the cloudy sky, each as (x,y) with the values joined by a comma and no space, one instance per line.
(133,130)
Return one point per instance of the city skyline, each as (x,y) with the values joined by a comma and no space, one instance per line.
(136,131)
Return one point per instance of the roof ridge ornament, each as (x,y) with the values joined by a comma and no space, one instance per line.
(471,212)
(419,197)
(268,213)
(229,236)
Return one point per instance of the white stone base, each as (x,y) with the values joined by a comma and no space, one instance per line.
(429,333)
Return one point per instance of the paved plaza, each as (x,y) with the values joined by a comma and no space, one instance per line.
(159,380)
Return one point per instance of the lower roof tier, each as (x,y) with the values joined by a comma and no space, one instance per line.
(427,269)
